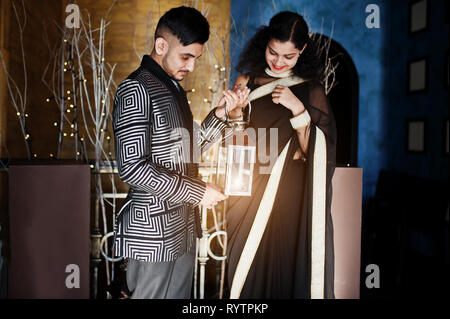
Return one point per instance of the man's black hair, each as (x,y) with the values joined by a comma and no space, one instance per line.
(186,23)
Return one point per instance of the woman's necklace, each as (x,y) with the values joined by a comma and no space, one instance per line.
(281,75)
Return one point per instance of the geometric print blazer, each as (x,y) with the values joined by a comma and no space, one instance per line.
(155,138)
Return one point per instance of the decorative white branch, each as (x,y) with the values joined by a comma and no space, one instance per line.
(18,96)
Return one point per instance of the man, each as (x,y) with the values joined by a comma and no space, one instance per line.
(157,226)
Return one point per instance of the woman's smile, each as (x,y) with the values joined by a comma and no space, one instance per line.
(279,68)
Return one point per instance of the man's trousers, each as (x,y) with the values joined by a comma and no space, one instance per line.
(161,280)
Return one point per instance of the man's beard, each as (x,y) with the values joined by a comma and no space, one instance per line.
(177,75)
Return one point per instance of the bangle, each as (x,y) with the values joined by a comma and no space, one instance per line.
(301,120)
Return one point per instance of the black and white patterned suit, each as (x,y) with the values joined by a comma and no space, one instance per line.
(153,127)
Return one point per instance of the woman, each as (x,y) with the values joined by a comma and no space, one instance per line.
(280,239)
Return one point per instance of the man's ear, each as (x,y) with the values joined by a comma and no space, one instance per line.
(161,46)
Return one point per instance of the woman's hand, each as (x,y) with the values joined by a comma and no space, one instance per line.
(284,96)
(234,100)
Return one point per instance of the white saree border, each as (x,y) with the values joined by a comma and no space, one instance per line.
(318,226)
(268,88)
(258,226)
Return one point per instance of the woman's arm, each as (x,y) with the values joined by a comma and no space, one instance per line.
(318,114)
(302,124)
(300,121)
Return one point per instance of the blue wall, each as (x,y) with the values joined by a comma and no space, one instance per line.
(367,47)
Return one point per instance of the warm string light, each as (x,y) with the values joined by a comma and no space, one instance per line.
(49,99)
(20,114)
(206,100)
(69,65)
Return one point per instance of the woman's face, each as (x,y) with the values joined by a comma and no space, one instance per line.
(281,56)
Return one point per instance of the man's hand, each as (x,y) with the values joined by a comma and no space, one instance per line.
(212,196)
(234,100)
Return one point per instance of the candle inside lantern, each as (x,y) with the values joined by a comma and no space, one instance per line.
(239,170)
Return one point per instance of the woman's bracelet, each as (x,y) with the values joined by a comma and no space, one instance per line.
(300,121)
(239,118)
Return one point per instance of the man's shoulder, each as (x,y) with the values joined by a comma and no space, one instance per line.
(145,78)
(129,85)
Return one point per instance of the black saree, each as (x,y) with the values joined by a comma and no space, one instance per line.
(293,258)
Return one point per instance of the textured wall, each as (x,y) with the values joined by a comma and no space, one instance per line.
(38,15)
(128,36)
(4,28)
(380,56)
(366,46)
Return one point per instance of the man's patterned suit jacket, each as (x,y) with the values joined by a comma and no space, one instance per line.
(159,220)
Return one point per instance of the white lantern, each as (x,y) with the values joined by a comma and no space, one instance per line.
(235,169)
(235,162)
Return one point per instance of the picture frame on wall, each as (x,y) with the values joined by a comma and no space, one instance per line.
(445,130)
(419,16)
(417,75)
(415,137)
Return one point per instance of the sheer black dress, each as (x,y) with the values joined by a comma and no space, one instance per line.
(282,264)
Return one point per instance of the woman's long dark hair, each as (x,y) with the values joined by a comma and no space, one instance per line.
(284,26)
